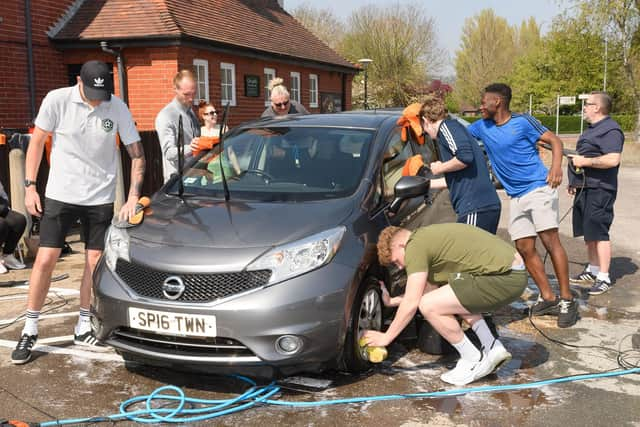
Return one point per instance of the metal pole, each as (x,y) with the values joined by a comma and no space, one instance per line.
(604,82)
(366,101)
(558,114)
(581,116)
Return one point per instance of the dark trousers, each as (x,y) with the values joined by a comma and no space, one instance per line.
(11,228)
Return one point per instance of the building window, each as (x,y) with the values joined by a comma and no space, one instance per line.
(295,86)
(228,84)
(201,68)
(269,74)
(313,90)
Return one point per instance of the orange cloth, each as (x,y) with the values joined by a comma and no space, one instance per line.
(3,139)
(412,165)
(205,143)
(411,120)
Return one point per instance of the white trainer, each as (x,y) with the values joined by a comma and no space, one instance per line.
(10,261)
(3,269)
(498,356)
(467,372)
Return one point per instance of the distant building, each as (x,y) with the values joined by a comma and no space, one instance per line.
(235,47)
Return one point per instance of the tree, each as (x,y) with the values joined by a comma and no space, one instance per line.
(401,40)
(619,22)
(486,54)
(322,23)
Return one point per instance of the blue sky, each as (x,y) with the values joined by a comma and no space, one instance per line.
(449,15)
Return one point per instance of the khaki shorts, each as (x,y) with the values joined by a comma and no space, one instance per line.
(534,212)
(484,294)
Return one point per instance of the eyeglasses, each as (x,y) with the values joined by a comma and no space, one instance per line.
(589,103)
(281,104)
(210,113)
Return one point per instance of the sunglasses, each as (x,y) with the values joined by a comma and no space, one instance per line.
(210,113)
(281,104)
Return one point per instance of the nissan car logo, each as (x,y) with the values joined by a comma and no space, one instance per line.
(173,287)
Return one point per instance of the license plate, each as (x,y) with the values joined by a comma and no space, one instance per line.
(172,323)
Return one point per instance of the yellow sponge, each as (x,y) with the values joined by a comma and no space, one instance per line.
(373,354)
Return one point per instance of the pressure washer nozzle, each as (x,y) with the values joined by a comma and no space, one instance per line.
(372,353)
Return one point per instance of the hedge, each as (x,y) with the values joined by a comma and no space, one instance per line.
(571,124)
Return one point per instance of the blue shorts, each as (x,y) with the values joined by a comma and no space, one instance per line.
(593,214)
(487,220)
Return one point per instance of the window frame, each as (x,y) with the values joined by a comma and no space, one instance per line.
(313,92)
(295,89)
(267,93)
(201,63)
(226,66)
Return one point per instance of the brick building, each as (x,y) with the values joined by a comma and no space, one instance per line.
(235,46)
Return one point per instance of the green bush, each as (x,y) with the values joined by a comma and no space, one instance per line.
(571,124)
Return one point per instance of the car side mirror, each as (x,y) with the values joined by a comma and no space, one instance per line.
(408,187)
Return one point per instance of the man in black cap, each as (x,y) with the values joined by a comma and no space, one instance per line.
(83,120)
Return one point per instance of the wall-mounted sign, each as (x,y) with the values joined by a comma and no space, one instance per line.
(330,102)
(251,85)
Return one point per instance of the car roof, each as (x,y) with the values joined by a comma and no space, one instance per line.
(360,119)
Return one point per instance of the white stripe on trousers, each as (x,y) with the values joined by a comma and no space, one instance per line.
(472,218)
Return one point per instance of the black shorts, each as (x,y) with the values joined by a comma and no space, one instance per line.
(58,217)
(593,214)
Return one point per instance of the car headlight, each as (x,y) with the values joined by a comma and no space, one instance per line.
(302,256)
(116,246)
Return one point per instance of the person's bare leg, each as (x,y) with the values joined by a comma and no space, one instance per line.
(40,279)
(603,249)
(551,241)
(592,252)
(91,258)
(439,308)
(527,249)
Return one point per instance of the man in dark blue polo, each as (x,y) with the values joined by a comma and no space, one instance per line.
(599,149)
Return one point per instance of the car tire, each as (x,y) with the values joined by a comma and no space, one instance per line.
(366,313)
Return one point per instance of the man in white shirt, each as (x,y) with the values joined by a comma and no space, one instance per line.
(83,120)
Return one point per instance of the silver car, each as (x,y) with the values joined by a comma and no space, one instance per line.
(261,256)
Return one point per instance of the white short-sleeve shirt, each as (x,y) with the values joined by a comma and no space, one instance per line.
(84,153)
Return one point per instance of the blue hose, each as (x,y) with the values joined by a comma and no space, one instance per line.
(185,412)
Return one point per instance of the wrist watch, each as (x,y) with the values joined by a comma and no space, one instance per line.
(28,183)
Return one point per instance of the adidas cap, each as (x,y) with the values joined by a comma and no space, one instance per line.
(96,80)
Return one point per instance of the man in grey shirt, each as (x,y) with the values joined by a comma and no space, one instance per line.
(184,84)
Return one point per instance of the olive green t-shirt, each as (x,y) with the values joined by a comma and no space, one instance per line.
(443,249)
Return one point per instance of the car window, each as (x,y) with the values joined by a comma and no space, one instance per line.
(395,155)
(291,164)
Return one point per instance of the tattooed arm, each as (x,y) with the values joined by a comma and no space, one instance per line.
(138,164)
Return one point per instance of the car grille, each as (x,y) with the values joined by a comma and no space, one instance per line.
(209,347)
(201,287)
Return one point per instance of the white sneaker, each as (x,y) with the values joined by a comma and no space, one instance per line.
(10,261)
(498,356)
(467,372)
(3,269)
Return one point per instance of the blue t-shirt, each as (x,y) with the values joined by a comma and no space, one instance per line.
(513,153)
(598,139)
(470,188)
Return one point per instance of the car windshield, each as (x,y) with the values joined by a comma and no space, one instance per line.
(282,163)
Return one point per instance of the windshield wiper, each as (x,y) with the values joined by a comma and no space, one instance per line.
(227,196)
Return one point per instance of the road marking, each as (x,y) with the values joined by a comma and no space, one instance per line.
(108,356)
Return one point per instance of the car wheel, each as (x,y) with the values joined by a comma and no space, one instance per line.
(366,313)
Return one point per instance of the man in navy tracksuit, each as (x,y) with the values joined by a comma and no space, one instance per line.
(599,148)
(463,164)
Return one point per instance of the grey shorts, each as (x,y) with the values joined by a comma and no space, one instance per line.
(534,212)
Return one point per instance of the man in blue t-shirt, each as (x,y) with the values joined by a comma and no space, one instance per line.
(511,143)
(599,148)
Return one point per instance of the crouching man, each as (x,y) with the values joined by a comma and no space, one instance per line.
(453,269)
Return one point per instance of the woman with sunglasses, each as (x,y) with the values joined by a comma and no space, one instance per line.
(210,131)
(281,104)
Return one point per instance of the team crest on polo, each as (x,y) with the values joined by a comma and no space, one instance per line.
(107,125)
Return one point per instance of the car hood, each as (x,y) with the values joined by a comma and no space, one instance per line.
(211,224)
